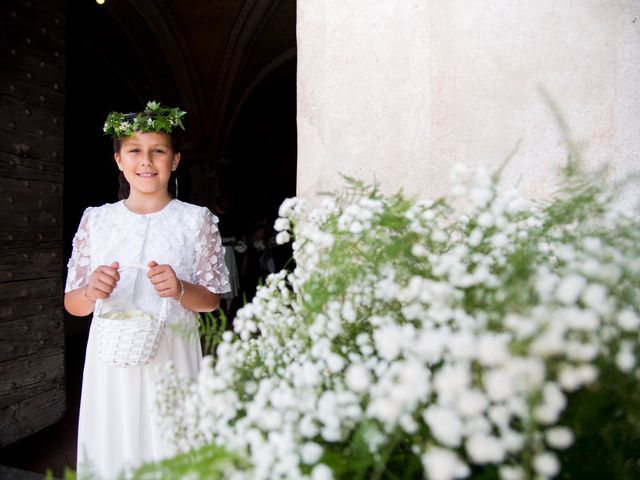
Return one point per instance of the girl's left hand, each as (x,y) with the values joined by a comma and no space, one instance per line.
(164,280)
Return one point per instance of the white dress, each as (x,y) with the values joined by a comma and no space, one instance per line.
(117,430)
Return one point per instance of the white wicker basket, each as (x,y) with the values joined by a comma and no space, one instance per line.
(128,338)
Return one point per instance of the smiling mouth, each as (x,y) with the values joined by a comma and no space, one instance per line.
(146,174)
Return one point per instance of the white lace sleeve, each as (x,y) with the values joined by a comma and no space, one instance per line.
(80,262)
(211,271)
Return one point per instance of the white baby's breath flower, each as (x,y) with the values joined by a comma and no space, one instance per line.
(367,339)
(513,441)
(499,240)
(580,319)
(419,250)
(283,237)
(311,453)
(628,320)
(498,384)
(581,352)
(588,374)
(485,449)
(321,472)
(471,403)
(553,403)
(356,227)
(486,220)
(227,336)
(499,415)
(570,288)
(508,472)
(546,464)
(559,437)
(475,238)
(569,378)
(335,362)
(625,359)
(478,425)
(462,345)
(480,196)
(492,350)
(308,428)
(439,236)
(545,283)
(444,425)
(551,341)
(523,327)
(287,207)
(442,464)
(408,423)
(411,380)
(595,297)
(388,341)
(357,378)
(387,410)
(450,381)
(282,224)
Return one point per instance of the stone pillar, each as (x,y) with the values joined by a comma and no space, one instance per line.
(398,90)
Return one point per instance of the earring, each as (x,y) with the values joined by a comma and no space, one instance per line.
(176,182)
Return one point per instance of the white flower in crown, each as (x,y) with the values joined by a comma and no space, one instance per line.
(155,118)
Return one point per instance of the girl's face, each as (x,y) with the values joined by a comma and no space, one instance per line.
(147,160)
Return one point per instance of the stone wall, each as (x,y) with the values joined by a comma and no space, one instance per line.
(397,90)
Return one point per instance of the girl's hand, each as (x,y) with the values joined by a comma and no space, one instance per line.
(102,282)
(164,280)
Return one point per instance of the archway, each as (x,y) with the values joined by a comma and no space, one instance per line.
(258,168)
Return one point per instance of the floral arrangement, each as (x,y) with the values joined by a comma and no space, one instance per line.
(413,340)
(154,118)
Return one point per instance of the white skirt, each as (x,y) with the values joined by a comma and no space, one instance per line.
(117,429)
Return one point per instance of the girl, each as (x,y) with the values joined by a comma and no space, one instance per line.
(179,247)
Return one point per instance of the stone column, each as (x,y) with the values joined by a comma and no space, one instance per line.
(398,90)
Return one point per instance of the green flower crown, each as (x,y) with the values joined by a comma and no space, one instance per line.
(154,118)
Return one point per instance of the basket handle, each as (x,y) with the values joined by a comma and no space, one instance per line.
(165,300)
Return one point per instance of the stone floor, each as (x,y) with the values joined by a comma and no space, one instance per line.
(8,473)
(53,448)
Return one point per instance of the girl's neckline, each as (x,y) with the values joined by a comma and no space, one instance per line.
(146,214)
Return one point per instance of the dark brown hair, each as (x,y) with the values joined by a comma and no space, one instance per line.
(124,189)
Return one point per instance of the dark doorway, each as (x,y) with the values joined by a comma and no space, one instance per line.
(232,66)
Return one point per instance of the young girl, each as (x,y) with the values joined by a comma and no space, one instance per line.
(179,248)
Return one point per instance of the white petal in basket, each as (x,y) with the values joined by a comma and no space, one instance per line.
(128,337)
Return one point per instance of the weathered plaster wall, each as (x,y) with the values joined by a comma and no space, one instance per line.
(399,90)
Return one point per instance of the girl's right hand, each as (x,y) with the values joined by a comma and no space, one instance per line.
(102,282)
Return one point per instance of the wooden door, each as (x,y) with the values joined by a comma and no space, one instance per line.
(32,382)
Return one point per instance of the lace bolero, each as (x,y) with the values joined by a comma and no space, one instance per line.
(182,235)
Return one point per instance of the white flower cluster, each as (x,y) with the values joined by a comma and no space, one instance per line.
(464,334)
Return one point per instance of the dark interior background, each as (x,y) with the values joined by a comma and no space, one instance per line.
(231,64)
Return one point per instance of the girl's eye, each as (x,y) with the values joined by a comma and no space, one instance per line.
(158,150)
(134,150)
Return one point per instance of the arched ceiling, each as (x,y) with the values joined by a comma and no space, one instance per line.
(206,56)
